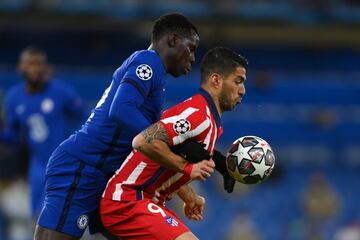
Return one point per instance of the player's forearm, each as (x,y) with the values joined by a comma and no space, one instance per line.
(8,136)
(159,152)
(187,194)
(220,162)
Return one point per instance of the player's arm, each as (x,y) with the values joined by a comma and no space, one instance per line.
(125,108)
(194,152)
(220,166)
(74,106)
(10,133)
(154,143)
(8,136)
(193,203)
(132,92)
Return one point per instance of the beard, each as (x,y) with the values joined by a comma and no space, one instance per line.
(34,79)
(225,102)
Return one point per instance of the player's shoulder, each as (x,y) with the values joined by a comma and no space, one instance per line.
(143,65)
(15,94)
(148,58)
(194,104)
(146,55)
(196,101)
(16,90)
(56,82)
(59,85)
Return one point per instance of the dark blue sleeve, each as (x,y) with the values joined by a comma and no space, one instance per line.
(144,72)
(72,103)
(135,86)
(10,133)
(125,107)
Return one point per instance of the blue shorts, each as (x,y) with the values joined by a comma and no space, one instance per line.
(73,191)
(36,179)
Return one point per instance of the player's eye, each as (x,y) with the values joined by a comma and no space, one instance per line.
(240,80)
(192,48)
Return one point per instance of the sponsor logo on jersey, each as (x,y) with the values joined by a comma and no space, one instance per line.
(144,72)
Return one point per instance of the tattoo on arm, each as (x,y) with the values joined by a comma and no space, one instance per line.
(156,131)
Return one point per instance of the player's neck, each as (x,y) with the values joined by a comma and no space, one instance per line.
(33,88)
(218,106)
(160,51)
(215,98)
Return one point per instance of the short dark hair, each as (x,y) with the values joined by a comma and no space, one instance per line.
(32,49)
(221,60)
(172,22)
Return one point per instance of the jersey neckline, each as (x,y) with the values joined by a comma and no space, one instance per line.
(212,106)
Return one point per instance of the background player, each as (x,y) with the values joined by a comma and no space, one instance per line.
(133,204)
(36,112)
(80,167)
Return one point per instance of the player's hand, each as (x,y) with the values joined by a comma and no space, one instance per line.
(220,161)
(202,170)
(194,210)
(229,182)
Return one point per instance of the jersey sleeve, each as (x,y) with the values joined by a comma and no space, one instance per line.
(125,110)
(136,85)
(10,133)
(74,104)
(190,123)
(143,73)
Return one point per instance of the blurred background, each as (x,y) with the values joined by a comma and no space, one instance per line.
(303,97)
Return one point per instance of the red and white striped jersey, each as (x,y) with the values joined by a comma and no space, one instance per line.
(139,177)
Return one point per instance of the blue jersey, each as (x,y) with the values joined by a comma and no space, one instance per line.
(41,120)
(104,141)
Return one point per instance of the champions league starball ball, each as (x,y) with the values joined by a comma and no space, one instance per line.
(250,160)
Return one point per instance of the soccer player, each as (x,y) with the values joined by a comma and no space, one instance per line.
(133,204)
(37,111)
(80,167)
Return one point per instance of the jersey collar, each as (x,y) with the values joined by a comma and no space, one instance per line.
(212,106)
(161,61)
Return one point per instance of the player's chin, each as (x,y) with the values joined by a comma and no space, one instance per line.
(176,74)
(229,107)
(183,71)
(34,80)
(187,70)
(233,106)
(180,69)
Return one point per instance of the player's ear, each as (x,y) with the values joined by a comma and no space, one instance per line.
(215,80)
(173,39)
(49,72)
(20,67)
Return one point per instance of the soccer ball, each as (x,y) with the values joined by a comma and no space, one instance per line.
(250,160)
